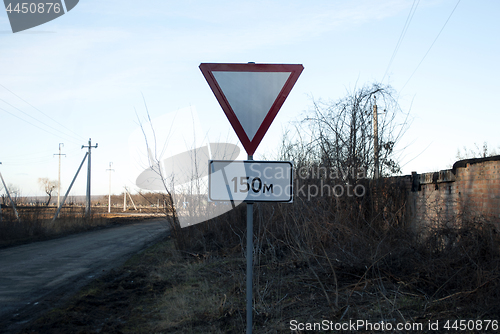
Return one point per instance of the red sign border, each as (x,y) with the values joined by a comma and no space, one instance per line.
(251,145)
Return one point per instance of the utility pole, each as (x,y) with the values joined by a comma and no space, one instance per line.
(10,198)
(375,139)
(59,177)
(69,189)
(109,196)
(125,200)
(87,207)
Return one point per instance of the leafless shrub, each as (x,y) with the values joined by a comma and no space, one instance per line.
(476,152)
(354,249)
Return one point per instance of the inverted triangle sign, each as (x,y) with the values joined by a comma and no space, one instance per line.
(251,95)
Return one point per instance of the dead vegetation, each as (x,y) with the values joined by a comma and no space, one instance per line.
(324,257)
(337,271)
(35,222)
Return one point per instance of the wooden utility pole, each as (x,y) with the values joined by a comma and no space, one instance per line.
(87,207)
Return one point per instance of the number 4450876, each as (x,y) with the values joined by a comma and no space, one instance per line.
(32,7)
(471,325)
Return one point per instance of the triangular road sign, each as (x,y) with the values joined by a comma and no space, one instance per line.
(251,95)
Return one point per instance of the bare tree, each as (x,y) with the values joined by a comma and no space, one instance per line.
(15,194)
(342,135)
(476,152)
(48,186)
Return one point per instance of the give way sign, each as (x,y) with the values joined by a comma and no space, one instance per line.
(251,95)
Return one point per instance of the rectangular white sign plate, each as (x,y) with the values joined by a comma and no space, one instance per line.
(250,181)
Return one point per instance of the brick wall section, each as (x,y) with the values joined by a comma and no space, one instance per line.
(479,188)
(471,189)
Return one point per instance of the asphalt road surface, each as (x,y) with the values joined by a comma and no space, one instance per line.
(38,276)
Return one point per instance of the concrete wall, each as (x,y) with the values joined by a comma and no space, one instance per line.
(470,190)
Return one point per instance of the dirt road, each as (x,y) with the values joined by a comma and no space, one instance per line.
(38,276)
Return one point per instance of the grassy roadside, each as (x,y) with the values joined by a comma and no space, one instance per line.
(31,229)
(158,290)
(164,290)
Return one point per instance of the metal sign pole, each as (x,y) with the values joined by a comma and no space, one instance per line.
(274,82)
(249,262)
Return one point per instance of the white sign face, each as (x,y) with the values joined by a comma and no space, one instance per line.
(250,181)
(251,95)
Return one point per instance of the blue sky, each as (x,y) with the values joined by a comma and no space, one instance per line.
(84,76)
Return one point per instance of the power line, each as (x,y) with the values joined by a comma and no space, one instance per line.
(36,126)
(402,35)
(25,113)
(39,158)
(430,47)
(77,135)
(39,162)
(22,119)
(23,155)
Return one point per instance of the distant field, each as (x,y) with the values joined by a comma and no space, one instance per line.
(47,212)
(35,222)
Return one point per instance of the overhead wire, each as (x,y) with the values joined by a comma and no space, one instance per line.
(409,18)
(37,120)
(35,158)
(55,121)
(22,155)
(430,47)
(22,119)
(37,161)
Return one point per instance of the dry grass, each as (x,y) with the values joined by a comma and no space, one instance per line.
(35,223)
(335,259)
(166,290)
